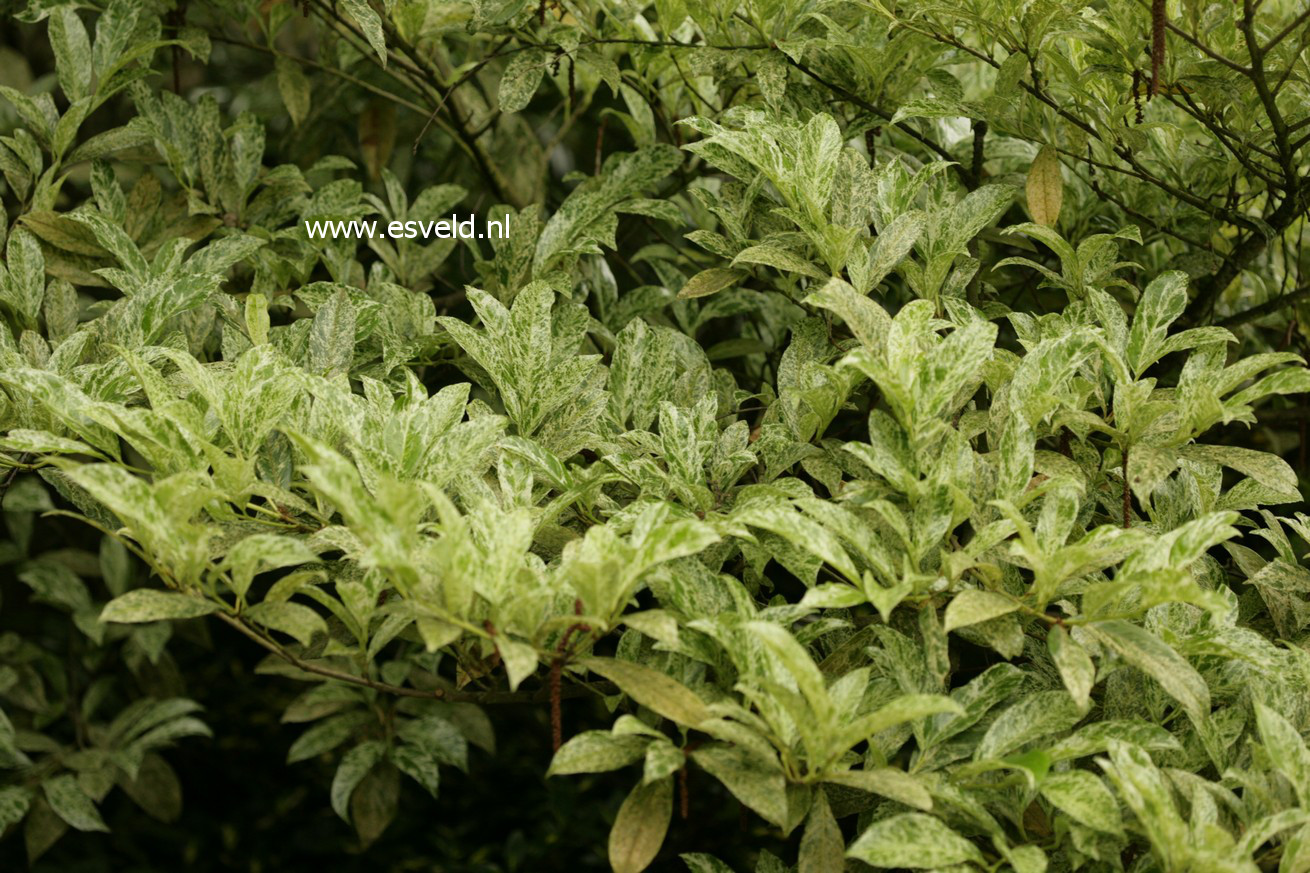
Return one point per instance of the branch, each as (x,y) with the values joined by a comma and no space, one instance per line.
(1122,152)
(979,156)
(1283,34)
(407,57)
(1280,302)
(850,96)
(541,695)
(1294,415)
(1205,49)
(472,71)
(1237,260)
(21,464)
(1261,82)
(1189,106)
(1140,216)
(307,62)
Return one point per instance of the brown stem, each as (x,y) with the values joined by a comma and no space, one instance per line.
(600,141)
(1158,22)
(556,671)
(979,138)
(556,715)
(1128,495)
(684,795)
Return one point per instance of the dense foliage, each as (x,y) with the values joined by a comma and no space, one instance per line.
(879,441)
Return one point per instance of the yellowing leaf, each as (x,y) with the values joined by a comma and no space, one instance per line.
(1045,187)
(710,281)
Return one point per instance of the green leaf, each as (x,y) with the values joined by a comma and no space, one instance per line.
(932,108)
(663,759)
(1010,73)
(973,605)
(1145,790)
(156,789)
(369,22)
(801,531)
(148,604)
(652,689)
(773,255)
(441,739)
(24,286)
(115,240)
(1096,737)
(332,336)
(15,801)
(640,826)
(420,765)
(1084,798)
(887,782)
(890,247)
(913,840)
(294,619)
(520,659)
(326,735)
(867,320)
(1286,748)
(822,847)
(908,707)
(294,87)
(820,147)
(354,766)
(258,553)
(1077,671)
(1148,653)
(597,752)
(520,80)
(375,802)
(1162,302)
(698,862)
(71,803)
(755,780)
(1037,715)
(1264,467)
(72,48)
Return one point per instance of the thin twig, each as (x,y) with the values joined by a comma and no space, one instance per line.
(485,697)
(1282,34)
(1267,308)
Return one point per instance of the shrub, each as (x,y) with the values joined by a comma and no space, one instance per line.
(876,413)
